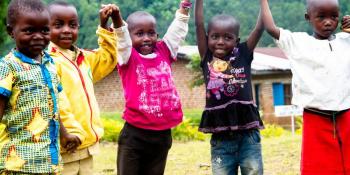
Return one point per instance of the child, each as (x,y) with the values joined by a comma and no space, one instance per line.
(78,69)
(230,113)
(320,66)
(29,92)
(152,104)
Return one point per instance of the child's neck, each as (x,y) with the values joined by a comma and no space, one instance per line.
(38,58)
(330,37)
(33,57)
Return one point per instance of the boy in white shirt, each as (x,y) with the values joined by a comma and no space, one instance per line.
(320,65)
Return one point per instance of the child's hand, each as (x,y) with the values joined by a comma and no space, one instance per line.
(105,13)
(116,16)
(70,142)
(185,6)
(345,24)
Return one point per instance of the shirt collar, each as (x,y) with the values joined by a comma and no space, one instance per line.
(45,57)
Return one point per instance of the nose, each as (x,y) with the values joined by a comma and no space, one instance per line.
(38,36)
(66,28)
(146,38)
(328,22)
(221,40)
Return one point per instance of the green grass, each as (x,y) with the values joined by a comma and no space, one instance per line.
(281,156)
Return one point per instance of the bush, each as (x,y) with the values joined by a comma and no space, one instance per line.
(187,132)
(112,129)
(272,131)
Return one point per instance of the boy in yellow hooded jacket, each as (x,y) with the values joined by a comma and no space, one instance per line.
(78,70)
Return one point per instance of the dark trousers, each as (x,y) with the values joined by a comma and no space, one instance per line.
(142,152)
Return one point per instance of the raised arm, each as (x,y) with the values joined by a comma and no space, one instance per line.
(200,28)
(178,29)
(103,60)
(267,19)
(255,35)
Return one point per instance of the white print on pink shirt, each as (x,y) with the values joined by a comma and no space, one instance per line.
(157,89)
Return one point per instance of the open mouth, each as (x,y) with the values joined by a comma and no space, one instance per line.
(146,48)
(38,45)
(66,39)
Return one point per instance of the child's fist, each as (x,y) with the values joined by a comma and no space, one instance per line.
(70,142)
(185,6)
(116,16)
(345,24)
(105,13)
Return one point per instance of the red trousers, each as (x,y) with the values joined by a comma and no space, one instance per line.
(325,152)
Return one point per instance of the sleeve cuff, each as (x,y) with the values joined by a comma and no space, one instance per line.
(105,31)
(122,29)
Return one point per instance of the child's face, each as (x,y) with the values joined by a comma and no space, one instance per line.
(221,39)
(324,17)
(31,32)
(64,26)
(143,35)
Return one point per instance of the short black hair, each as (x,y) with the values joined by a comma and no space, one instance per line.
(311,3)
(227,18)
(22,6)
(138,14)
(60,3)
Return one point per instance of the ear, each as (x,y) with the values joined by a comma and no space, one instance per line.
(9,30)
(157,35)
(237,40)
(307,17)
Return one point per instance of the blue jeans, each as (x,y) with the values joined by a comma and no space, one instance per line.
(241,149)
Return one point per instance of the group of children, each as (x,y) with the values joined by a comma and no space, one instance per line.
(51,115)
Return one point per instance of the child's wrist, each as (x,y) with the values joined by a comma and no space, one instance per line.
(104,26)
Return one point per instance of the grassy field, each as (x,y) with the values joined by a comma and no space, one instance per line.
(281,157)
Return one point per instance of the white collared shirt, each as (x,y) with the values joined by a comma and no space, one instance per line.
(321,69)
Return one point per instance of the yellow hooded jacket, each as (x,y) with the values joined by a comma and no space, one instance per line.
(78,70)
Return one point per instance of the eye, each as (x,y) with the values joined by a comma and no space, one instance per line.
(152,34)
(29,30)
(45,30)
(335,17)
(73,25)
(321,17)
(139,34)
(57,24)
(214,37)
(228,37)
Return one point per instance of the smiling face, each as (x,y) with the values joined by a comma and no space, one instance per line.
(64,25)
(222,38)
(143,33)
(323,15)
(31,32)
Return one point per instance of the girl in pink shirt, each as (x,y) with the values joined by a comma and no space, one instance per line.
(152,105)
